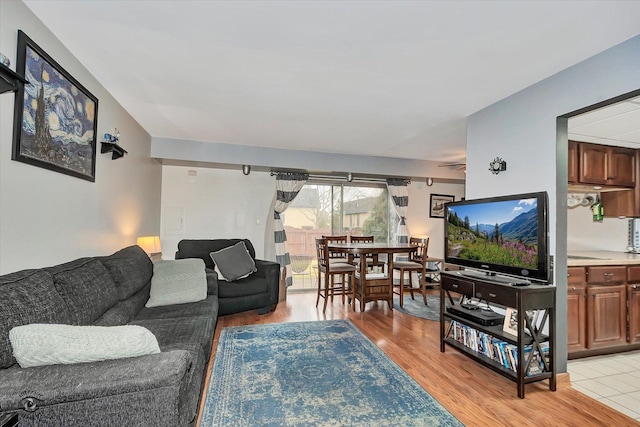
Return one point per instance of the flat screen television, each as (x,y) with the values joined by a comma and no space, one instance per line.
(500,235)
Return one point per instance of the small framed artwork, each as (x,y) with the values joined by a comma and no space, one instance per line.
(55,117)
(436,205)
(510,325)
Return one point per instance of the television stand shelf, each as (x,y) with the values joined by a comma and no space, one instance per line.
(523,358)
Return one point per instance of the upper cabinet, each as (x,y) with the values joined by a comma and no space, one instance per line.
(573,162)
(605,165)
(613,170)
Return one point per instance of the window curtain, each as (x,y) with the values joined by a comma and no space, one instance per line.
(288,185)
(400,196)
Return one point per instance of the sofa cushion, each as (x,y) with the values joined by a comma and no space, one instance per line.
(202,248)
(131,270)
(249,286)
(40,344)
(207,307)
(182,334)
(177,282)
(124,311)
(233,262)
(87,288)
(27,297)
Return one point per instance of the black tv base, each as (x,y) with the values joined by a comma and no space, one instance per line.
(533,348)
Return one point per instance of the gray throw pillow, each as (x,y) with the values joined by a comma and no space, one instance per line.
(234,262)
(177,282)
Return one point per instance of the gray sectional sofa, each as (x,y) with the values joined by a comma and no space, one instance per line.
(259,291)
(161,389)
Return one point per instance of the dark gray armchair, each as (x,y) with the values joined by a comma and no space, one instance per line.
(259,291)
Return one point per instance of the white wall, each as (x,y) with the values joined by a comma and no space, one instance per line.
(583,234)
(221,203)
(218,204)
(522,130)
(418,221)
(47,217)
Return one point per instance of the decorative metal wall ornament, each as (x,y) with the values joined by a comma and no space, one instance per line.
(497,165)
(55,117)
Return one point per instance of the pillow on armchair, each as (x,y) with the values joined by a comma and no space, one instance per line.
(234,262)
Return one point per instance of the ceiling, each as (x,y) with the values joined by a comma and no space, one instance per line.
(381,78)
(617,124)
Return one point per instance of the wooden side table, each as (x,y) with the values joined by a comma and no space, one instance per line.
(8,419)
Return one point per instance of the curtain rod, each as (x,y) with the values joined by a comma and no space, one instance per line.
(345,178)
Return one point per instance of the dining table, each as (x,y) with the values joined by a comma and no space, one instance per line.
(372,286)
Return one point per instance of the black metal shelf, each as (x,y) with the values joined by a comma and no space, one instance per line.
(115,149)
(10,81)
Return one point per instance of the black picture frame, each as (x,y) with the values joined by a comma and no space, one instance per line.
(55,117)
(436,204)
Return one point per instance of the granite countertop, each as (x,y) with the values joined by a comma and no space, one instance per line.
(586,258)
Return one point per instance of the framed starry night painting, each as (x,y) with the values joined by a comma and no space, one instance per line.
(55,117)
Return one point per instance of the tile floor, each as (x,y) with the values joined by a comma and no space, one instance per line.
(613,380)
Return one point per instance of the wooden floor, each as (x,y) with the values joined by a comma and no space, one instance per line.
(472,393)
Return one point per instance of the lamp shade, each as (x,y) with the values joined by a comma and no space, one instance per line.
(150,244)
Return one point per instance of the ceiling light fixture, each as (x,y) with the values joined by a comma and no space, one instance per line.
(349,177)
(246,169)
(429,181)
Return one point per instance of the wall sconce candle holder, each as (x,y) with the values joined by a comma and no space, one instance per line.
(110,144)
(497,165)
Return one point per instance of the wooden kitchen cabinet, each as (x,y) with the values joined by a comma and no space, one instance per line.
(633,305)
(573,162)
(606,316)
(605,165)
(576,309)
(606,306)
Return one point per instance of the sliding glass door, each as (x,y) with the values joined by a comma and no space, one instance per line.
(326,208)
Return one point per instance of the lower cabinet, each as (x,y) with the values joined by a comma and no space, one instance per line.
(603,309)
(607,316)
(633,305)
(576,309)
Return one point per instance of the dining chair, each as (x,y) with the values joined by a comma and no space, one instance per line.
(337,256)
(327,272)
(417,262)
(372,261)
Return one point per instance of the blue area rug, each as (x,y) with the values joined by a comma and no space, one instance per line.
(417,308)
(324,373)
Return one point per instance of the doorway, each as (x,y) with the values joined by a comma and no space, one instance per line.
(333,208)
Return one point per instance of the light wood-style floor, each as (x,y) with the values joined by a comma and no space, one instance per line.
(472,393)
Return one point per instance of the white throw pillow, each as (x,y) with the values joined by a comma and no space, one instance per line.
(40,344)
(177,282)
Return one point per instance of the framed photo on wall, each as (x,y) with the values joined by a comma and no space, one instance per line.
(436,204)
(55,117)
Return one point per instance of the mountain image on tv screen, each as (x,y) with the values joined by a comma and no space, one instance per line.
(504,233)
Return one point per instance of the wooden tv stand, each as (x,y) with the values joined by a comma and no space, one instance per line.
(490,345)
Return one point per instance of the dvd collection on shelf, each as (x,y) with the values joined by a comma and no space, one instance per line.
(498,350)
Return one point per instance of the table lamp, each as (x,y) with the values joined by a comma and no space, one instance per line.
(151,245)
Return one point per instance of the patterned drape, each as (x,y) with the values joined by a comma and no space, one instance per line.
(400,196)
(288,185)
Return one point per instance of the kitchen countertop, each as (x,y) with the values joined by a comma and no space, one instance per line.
(587,258)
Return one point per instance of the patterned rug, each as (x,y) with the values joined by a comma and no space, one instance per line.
(324,373)
(417,308)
